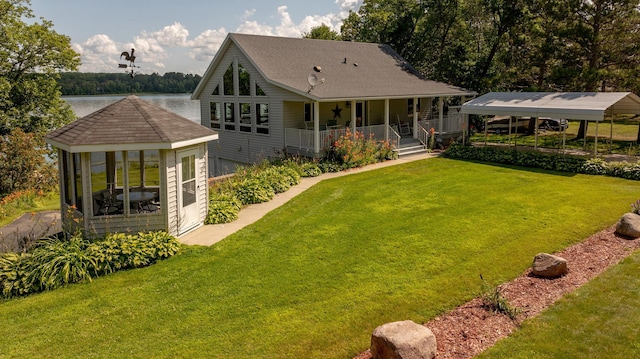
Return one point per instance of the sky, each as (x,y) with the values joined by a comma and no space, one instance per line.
(178,35)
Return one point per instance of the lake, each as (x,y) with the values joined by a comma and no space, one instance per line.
(180,104)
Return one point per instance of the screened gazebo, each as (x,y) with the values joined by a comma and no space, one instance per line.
(132,166)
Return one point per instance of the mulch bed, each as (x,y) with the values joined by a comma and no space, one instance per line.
(469,329)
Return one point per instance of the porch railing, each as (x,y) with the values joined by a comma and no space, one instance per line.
(303,139)
(452,123)
(423,133)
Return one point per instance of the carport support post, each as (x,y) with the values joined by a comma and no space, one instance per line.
(510,118)
(485,131)
(535,124)
(595,143)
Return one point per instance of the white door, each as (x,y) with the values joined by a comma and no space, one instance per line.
(188,190)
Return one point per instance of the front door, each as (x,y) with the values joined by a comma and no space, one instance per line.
(188,190)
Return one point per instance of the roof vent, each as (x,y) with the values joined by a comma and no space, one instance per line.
(317,69)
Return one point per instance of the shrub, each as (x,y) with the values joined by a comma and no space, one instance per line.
(355,150)
(310,169)
(55,262)
(14,274)
(58,262)
(224,207)
(251,190)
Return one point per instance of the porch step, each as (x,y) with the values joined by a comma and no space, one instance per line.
(407,149)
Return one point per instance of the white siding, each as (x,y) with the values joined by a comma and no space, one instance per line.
(171,200)
(240,147)
(203,198)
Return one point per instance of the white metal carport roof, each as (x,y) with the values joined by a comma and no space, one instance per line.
(590,106)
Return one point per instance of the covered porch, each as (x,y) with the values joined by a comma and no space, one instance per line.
(311,127)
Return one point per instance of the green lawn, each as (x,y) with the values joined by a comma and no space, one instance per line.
(599,320)
(316,276)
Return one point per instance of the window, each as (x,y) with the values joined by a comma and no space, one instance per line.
(228,81)
(245,117)
(103,183)
(216,91)
(67,174)
(262,118)
(215,115)
(229,116)
(77,170)
(244,81)
(259,91)
(308,115)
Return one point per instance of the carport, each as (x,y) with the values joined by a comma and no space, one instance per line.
(588,106)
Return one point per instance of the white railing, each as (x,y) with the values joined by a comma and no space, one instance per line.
(452,123)
(423,133)
(303,139)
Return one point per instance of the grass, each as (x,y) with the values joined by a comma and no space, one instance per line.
(599,320)
(49,201)
(315,277)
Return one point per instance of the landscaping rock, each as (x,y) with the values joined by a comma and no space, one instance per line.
(403,340)
(629,225)
(549,266)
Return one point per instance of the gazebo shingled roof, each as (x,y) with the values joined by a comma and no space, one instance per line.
(130,124)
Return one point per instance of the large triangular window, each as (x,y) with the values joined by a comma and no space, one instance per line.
(244,81)
(227,83)
(216,91)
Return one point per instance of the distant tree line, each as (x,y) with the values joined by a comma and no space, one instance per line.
(79,83)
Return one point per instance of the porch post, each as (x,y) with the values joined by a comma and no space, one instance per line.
(440,115)
(415,117)
(386,119)
(316,127)
(353,117)
(465,121)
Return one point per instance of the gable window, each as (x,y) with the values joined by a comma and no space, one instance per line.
(259,91)
(216,91)
(244,81)
(245,117)
(227,82)
(262,118)
(215,115)
(229,116)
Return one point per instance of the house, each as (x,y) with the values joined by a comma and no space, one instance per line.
(265,95)
(132,166)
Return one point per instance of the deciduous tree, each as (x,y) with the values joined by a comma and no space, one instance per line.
(31,55)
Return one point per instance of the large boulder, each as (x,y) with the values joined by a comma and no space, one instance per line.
(629,225)
(403,340)
(549,266)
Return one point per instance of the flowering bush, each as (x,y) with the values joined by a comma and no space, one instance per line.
(355,150)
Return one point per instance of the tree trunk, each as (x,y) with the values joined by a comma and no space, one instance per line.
(582,131)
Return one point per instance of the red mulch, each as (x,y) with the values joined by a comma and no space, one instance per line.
(470,329)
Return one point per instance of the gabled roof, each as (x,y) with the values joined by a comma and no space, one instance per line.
(129,124)
(351,70)
(590,106)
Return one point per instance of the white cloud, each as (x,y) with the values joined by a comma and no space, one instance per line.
(171,44)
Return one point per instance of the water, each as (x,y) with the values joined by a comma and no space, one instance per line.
(180,104)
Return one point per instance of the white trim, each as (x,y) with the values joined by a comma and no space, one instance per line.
(130,146)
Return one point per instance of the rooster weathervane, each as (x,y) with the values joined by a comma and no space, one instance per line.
(132,62)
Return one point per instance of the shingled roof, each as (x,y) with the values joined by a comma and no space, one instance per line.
(351,70)
(129,124)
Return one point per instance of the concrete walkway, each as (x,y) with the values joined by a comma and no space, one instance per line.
(214,233)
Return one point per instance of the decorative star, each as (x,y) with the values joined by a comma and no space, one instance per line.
(336,112)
